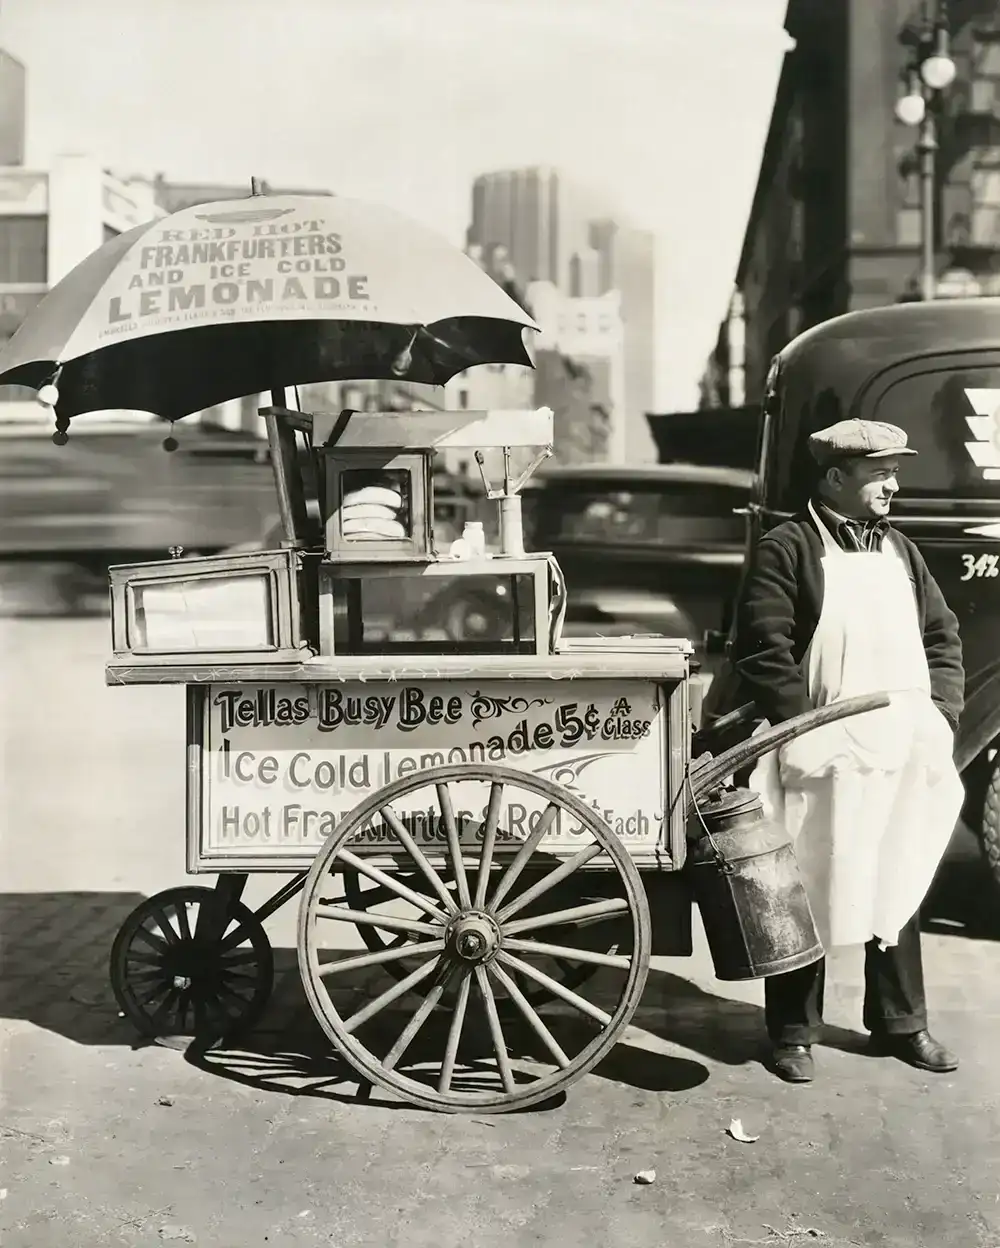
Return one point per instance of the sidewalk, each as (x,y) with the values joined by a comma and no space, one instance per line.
(104,1144)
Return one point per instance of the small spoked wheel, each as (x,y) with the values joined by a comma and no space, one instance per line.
(517,876)
(181,970)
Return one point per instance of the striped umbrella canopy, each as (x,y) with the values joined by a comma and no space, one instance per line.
(227,299)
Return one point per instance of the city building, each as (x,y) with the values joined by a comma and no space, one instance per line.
(539,215)
(835,223)
(723,384)
(551,230)
(13,97)
(581,417)
(626,261)
(590,332)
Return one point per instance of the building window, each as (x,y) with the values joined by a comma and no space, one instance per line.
(463,399)
(985,187)
(985,95)
(24,251)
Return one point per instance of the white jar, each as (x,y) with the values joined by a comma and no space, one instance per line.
(475,537)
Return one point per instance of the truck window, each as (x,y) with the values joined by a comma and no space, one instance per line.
(952,418)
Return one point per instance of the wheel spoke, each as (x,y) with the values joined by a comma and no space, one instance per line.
(395,886)
(528,1010)
(166,1005)
(575,914)
(618,961)
(225,990)
(548,881)
(239,957)
(201,1019)
(454,1034)
(413,1026)
(534,839)
(454,845)
(386,998)
(144,959)
(145,978)
(183,921)
(151,939)
(235,938)
(418,856)
(165,927)
(238,981)
(489,843)
(557,989)
(385,921)
(363,960)
(496,1031)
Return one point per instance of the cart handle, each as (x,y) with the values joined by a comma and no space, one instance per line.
(707,773)
(702,739)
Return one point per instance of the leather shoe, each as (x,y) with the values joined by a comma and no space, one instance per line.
(792,1062)
(918,1049)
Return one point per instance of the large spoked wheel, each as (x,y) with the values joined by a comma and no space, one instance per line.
(497,913)
(180,970)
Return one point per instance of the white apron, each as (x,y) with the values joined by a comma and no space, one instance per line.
(870,802)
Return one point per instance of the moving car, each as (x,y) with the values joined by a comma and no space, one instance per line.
(643,549)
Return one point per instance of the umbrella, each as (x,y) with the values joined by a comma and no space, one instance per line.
(226,299)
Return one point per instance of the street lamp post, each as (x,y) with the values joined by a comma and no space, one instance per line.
(930,72)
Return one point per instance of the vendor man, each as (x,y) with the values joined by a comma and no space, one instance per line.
(837,604)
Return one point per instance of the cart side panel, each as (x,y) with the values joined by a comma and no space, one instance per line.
(279,765)
(677,757)
(195,704)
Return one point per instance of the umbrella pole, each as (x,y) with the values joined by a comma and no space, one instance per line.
(284,465)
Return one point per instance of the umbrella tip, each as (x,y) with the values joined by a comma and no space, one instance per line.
(401,364)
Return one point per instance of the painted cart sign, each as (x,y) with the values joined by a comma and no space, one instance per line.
(281,765)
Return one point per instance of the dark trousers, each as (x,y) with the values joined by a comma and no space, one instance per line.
(894,993)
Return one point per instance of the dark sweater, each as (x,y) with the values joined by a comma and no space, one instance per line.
(780,608)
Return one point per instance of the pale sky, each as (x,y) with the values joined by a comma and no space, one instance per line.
(662,105)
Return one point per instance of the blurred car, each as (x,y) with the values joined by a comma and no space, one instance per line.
(111,495)
(643,549)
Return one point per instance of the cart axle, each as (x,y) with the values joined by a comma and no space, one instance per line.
(474,936)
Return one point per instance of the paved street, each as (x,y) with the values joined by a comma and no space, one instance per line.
(104,1143)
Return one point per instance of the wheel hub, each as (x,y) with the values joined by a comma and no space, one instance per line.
(474,937)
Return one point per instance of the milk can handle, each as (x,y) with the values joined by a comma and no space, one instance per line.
(723,863)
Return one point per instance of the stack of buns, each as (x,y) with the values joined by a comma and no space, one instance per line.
(371,513)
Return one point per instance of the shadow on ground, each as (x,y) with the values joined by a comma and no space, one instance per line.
(54,975)
(964,900)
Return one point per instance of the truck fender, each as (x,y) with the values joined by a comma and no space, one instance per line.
(980,723)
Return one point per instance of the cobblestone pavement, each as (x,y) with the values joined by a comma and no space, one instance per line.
(103,1142)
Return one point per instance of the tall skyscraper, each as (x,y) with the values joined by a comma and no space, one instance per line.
(12,110)
(626,262)
(552,229)
(539,215)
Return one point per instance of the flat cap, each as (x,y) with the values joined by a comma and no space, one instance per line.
(868,439)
